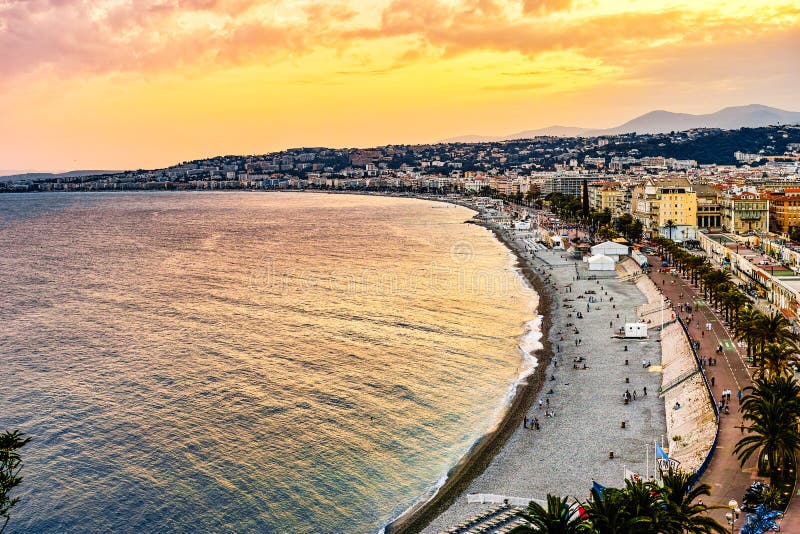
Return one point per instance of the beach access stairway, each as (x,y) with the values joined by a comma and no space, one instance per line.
(677,381)
(496,520)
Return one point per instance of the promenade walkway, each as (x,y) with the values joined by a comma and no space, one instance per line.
(727,480)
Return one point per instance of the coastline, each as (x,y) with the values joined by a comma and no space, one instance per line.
(478,458)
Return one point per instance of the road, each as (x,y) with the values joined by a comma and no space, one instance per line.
(727,479)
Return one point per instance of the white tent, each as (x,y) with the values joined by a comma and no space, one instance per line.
(601,262)
(609,248)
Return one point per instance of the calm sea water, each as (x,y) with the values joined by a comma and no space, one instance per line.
(243,362)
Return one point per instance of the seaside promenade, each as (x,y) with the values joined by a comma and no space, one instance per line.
(727,479)
(572,448)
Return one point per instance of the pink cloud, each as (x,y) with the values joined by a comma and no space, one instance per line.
(75,36)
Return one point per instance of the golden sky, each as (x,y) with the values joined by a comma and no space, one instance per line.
(113,84)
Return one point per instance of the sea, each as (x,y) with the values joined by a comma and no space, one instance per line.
(249,362)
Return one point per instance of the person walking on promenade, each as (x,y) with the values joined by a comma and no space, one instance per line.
(645,392)
(525,422)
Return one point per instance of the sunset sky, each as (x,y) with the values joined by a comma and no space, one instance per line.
(147,83)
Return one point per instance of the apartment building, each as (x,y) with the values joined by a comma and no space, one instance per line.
(708,211)
(745,212)
(666,206)
(784,210)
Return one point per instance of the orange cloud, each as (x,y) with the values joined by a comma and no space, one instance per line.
(186,78)
(75,37)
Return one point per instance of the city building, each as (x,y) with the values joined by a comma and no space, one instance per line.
(784,210)
(745,212)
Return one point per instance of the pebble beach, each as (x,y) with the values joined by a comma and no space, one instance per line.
(573,447)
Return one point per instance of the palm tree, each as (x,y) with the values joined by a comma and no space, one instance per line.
(773,408)
(747,328)
(670,225)
(609,513)
(557,518)
(682,504)
(713,284)
(739,302)
(701,270)
(727,300)
(778,329)
(772,328)
(776,359)
(693,263)
(643,500)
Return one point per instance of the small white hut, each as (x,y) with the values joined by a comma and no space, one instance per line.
(636,330)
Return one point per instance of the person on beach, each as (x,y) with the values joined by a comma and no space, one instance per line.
(645,391)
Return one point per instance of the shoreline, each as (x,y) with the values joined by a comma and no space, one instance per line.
(478,458)
(484,450)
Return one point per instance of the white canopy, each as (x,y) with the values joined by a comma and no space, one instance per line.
(609,248)
(601,262)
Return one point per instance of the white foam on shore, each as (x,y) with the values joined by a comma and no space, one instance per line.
(532,337)
(429,494)
(531,342)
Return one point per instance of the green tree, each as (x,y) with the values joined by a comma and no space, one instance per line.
(682,504)
(670,225)
(777,358)
(557,518)
(636,231)
(747,327)
(772,407)
(10,467)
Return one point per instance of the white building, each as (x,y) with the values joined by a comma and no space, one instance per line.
(601,262)
(610,249)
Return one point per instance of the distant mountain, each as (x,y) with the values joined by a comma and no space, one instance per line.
(556,131)
(46,175)
(474,139)
(731,118)
(661,121)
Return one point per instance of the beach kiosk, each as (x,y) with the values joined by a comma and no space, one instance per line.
(601,263)
(610,249)
(636,330)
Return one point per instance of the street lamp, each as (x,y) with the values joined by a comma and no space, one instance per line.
(733,515)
